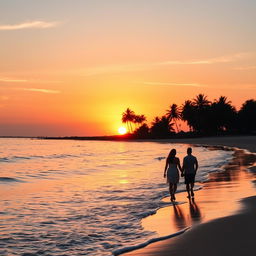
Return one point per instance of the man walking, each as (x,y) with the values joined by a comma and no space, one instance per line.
(190,166)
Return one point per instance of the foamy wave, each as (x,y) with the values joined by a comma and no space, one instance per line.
(4,159)
(153,240)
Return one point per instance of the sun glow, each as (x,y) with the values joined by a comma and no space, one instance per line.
(122,130)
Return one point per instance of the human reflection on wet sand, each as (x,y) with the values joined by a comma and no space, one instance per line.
(219,197)
(179,218)
(187,214)
(195,212)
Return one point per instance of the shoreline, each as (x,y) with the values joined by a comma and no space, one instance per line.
(194,236)
(231,235)
(247,142)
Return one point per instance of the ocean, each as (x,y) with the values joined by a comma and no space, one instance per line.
(68,197)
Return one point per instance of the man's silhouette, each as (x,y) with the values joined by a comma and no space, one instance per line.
(190,166)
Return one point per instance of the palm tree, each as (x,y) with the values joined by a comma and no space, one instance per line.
(201,101)
(188,114)
(173,113)
(142,132)
(223,114)
(247,116)
(222,100)
(139,119)
(202,113)
(128,118)
(161,127)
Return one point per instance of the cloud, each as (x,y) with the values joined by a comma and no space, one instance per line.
(40,90)
(30,24)
(221,59)
(12,80)
(17,80)
(171,84)
(146,66)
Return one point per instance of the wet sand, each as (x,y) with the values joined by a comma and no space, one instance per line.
(222,216)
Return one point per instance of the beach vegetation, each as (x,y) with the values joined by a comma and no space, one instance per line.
(247,116)
(131,119)
(173,114)
(161,127)
(143,132)
(139,119)
(188,114)
(202,117)
(223,115)
(128,118)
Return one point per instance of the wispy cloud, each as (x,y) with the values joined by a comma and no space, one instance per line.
(18,80)
(40,90)
(29,25)
(146,66)
(170,84)
(12,80)
(221,59)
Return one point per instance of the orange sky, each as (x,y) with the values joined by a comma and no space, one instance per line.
(72,69)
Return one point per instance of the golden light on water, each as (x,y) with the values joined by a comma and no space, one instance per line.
(123,181)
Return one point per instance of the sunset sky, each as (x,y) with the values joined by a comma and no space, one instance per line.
(72,67)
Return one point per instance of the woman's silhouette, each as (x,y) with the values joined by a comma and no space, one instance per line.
(171,169)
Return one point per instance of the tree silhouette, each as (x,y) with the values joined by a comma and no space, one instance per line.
(202,113)
(161,127)
(142,132)
(188,113)
(247,116)
(173,114)
(128,118)
(202,116)
(201,101)
(139,119)
(223,114)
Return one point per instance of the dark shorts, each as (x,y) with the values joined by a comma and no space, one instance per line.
(189,178)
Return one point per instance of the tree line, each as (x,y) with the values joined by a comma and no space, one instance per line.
(203,117)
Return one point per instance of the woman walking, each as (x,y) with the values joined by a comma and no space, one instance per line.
(172,168)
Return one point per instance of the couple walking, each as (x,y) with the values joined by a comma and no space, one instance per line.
(188,170)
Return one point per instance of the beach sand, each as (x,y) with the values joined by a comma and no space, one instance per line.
(222,217)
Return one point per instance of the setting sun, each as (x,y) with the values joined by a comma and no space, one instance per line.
(122,130)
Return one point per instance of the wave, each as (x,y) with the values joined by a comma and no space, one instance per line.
(4,159)
(160,158)
(61,156)
(9,179)
(153,240)
(31,157)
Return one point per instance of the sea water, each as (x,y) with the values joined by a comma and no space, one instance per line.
(70,197)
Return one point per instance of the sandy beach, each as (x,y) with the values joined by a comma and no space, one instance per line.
(222,217)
